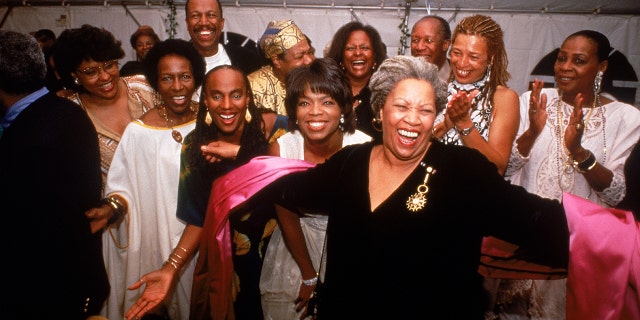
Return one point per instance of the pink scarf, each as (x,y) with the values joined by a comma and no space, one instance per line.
(211,296)
(604,262)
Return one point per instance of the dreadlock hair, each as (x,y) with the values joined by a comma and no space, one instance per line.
(490,30)
(252,143)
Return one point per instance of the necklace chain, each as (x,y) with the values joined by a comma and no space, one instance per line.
(564,163)
(175,134)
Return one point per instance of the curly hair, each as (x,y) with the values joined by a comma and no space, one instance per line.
(22,65)
(398,68)
(339,42)
(323,75)
(490,30)
(77,45)
(176,47)
(252,143)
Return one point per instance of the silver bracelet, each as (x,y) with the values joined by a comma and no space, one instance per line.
(310,282)
(465,131)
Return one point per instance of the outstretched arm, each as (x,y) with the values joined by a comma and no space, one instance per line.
(159,282)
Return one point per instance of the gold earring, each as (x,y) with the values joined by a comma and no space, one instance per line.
(207,118)
(76,81)
(247,115)
(376,123)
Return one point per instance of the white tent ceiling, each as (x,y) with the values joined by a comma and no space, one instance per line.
(530,6)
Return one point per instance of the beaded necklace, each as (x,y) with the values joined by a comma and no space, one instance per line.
(564,163)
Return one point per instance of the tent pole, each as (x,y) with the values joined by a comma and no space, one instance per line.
(131,14)
(6,15)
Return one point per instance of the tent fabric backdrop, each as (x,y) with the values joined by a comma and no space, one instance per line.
(528,36)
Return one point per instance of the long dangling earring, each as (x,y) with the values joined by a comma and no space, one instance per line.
(597,83)
(488,72)
(341,125)
(207,118)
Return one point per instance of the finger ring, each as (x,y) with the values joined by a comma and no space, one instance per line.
(579,126)
(533,110)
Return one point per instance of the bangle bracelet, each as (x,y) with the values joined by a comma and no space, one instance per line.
(310,282)
(116,206)
(433,133)
(586,164)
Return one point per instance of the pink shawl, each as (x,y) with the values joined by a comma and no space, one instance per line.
(604,262)
(211,296)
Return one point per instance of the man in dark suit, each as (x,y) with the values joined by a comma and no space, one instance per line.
(49,177)
(205,23)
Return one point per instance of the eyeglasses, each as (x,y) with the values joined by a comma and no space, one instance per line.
(94,72)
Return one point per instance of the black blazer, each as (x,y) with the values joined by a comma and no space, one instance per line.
(49,177)
(246,58)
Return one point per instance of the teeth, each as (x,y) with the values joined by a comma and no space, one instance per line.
(106,85)
(358,62)
(179,98)
(316,124)
(463,72)
(408,134)
(227,116)
(205,32)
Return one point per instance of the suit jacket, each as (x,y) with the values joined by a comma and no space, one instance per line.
(50,175)
(246,58)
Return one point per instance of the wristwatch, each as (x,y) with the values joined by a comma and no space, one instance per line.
(465,131)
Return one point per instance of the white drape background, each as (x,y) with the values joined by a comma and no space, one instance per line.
(528,37)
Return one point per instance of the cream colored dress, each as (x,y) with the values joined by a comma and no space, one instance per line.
(280,279)
(145,171)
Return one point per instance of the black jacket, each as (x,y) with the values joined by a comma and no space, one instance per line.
(49,177)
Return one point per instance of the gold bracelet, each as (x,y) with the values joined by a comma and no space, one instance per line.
(586,164)
(118,210)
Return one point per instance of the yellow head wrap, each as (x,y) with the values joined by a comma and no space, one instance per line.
(279,37)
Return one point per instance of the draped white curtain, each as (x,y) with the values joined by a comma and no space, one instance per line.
(528,37)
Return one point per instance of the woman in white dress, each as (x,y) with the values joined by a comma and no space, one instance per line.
(144,174)
(571,139)
(321,122)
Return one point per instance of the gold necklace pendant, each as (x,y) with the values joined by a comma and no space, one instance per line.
(177,136)
(418,200)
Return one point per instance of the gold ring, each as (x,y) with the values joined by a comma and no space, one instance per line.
(533,110)
(579,126)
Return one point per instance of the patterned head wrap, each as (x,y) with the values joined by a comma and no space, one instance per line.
(279,37)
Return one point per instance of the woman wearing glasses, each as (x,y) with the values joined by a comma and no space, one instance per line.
(86,59)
